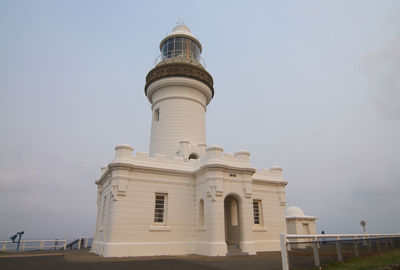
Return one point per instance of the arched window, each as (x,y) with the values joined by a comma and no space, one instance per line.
(201,212)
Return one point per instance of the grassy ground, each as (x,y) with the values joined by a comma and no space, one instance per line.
(366,263)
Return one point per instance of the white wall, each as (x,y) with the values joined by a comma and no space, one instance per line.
(182,105)
(132,182)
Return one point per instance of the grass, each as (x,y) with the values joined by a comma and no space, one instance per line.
(366,263)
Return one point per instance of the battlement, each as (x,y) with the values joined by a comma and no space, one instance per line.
(212,155)
(267,175)
(124,153)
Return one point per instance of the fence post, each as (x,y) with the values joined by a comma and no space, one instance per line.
(392,242)
(284,254)
(369,245)
(79,243)
(378,243)
(316,252)
(386,243)
(65,244)
(4,246)
(85,244)
(23,246)
(355,241)
(41,245)
(339,249)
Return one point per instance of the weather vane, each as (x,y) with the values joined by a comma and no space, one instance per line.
(180,22)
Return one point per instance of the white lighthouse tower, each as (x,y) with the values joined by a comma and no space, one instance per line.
(184,197)
(179,89)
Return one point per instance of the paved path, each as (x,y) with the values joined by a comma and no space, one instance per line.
(83,259)
(77,260)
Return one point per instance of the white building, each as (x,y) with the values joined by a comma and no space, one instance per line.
(299,223)
(184,197)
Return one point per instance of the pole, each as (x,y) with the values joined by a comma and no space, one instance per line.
(378,243)
(339,250)
(19,240)
(355,241)
(316,253)
(284,254)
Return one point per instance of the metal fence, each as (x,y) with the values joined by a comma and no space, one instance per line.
(30,245)
(79,243)
(316,250)
(33,245)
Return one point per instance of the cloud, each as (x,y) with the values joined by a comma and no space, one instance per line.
(16,180)
(383,70)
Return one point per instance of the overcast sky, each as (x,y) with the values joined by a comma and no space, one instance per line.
(311,86)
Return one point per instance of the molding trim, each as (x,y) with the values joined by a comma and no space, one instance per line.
(159,228)
(179,97)
(262,181)
(179,70)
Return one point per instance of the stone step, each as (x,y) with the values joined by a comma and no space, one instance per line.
(234,250)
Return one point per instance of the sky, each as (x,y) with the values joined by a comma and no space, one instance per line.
(311,86)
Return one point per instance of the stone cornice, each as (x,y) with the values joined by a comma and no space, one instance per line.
(179,70)
(224,167)
(274,182)
(301,218)
(166,170)
(142,168)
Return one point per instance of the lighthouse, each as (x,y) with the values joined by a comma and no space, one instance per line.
(179,89)
(184,196)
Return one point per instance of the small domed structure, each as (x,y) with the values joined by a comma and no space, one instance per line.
(299,223)
(294,211)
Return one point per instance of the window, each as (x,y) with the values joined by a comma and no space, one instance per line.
(306,228)
(257,212)
(180,46)
(193,156)
(157,115)
(201,212)
(160,208)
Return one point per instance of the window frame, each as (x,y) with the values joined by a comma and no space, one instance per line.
(157,115)
(259,214)
(156,218)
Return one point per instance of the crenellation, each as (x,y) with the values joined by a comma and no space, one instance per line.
(243,156)
(123,151)
(142,155)
(273,174)
(229,157)
(160,157)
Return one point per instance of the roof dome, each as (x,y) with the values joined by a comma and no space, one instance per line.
(294,211)
(181,29)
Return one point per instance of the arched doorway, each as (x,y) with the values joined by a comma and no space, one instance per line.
(232,221)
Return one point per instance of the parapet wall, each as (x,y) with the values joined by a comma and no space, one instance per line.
(213,155)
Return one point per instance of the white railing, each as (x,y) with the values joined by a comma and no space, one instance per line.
(83,242)
(317,239)
(177,59)
(33,245)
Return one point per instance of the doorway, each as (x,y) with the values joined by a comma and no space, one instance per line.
(232,221)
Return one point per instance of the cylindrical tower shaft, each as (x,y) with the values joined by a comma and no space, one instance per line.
(179,89)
